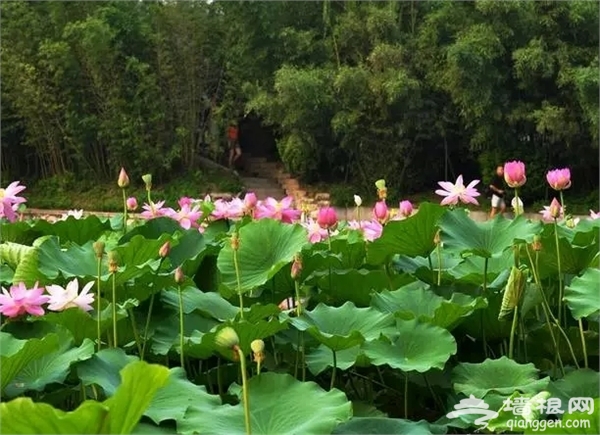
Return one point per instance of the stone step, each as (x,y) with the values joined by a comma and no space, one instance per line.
(256,182)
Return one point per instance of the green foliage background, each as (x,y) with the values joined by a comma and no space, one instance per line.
(355,91)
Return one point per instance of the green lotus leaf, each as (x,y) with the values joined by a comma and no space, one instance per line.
(388,426)
(265,246)
(413,236)
(501,375)
(578,383)
(304,409)
(417,301)
(487,239)
(418,346)
(582,296)
(320,359)
(343,327)
(78,231)
(103,369)
(173,400)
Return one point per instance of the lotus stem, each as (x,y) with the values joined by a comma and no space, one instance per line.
(517,205)
(303,355)
(406,396)
(98,310)
(298,300)
(439,259)
(124,211)
(239,282)
(245,394)
(331,385)
(114,309)
(560,280)
(431,268)
(546,307)
(484,292)
(181,337)
(562,203)
(512,331)
(583,344)
(147,326)
(136,335)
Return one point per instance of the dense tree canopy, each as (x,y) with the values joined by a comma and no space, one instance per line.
(407,91)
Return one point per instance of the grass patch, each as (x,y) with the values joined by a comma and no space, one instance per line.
(67,193)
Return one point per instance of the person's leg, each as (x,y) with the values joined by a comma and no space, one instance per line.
(231,154)
(495,206)
(238,153)
(502,206)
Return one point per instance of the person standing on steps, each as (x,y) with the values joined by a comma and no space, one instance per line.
(496,189)
(233,143)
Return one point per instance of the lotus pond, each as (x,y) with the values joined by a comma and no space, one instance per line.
(246,323)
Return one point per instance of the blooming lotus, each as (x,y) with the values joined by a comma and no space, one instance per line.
(559,179)
(19,300)
(316,233)
(458,192)
(184,200)
(547,214)
(187,216)
(9,201)
(514,174)
(250,201)
(371,230)
(279,210)
(69,297)
(594,215)
(233,209)
(154,210)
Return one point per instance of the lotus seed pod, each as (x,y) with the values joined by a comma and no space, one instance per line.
(147,178)
(113,262)
(99,249)
(257,346)
(227,337)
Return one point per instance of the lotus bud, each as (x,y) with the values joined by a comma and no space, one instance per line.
(357,200)
(98,249)
(179,276)
(327,218)
(437,239)
(227,338)
(123,180)
(296,267)
(113,262)
(513,291)
(381,212)
(250,201)
(235,241)
(555,209)
(406,208)
(258,347)
(165,249)
(147,178)
(537,243)
(132,203)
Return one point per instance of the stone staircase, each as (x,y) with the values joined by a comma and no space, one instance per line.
(267,178)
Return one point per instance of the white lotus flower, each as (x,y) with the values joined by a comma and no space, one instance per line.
(69,297)
(357,200)
(77,214)
(513,204)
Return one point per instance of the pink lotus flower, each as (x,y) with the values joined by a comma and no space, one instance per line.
(279,210)
(316,233)
(132,203)
(514,174)
(547,214)
(233,209)
(381,212)
(594,215)
(327,218)
(19,300)
(405,209)
(184,200)
(69,297)
(371,230)
(9,201)
(455,192)
(155,210)
(559,179)
(187,217)
(250,201)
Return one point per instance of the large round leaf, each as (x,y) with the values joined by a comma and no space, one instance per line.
(582,295)
(412,237)
(419,346)
(343,327)
(279,404)
(502,375)
(388,426)
(265,247)
(486,239)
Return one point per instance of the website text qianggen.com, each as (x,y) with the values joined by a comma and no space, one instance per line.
(541,425)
